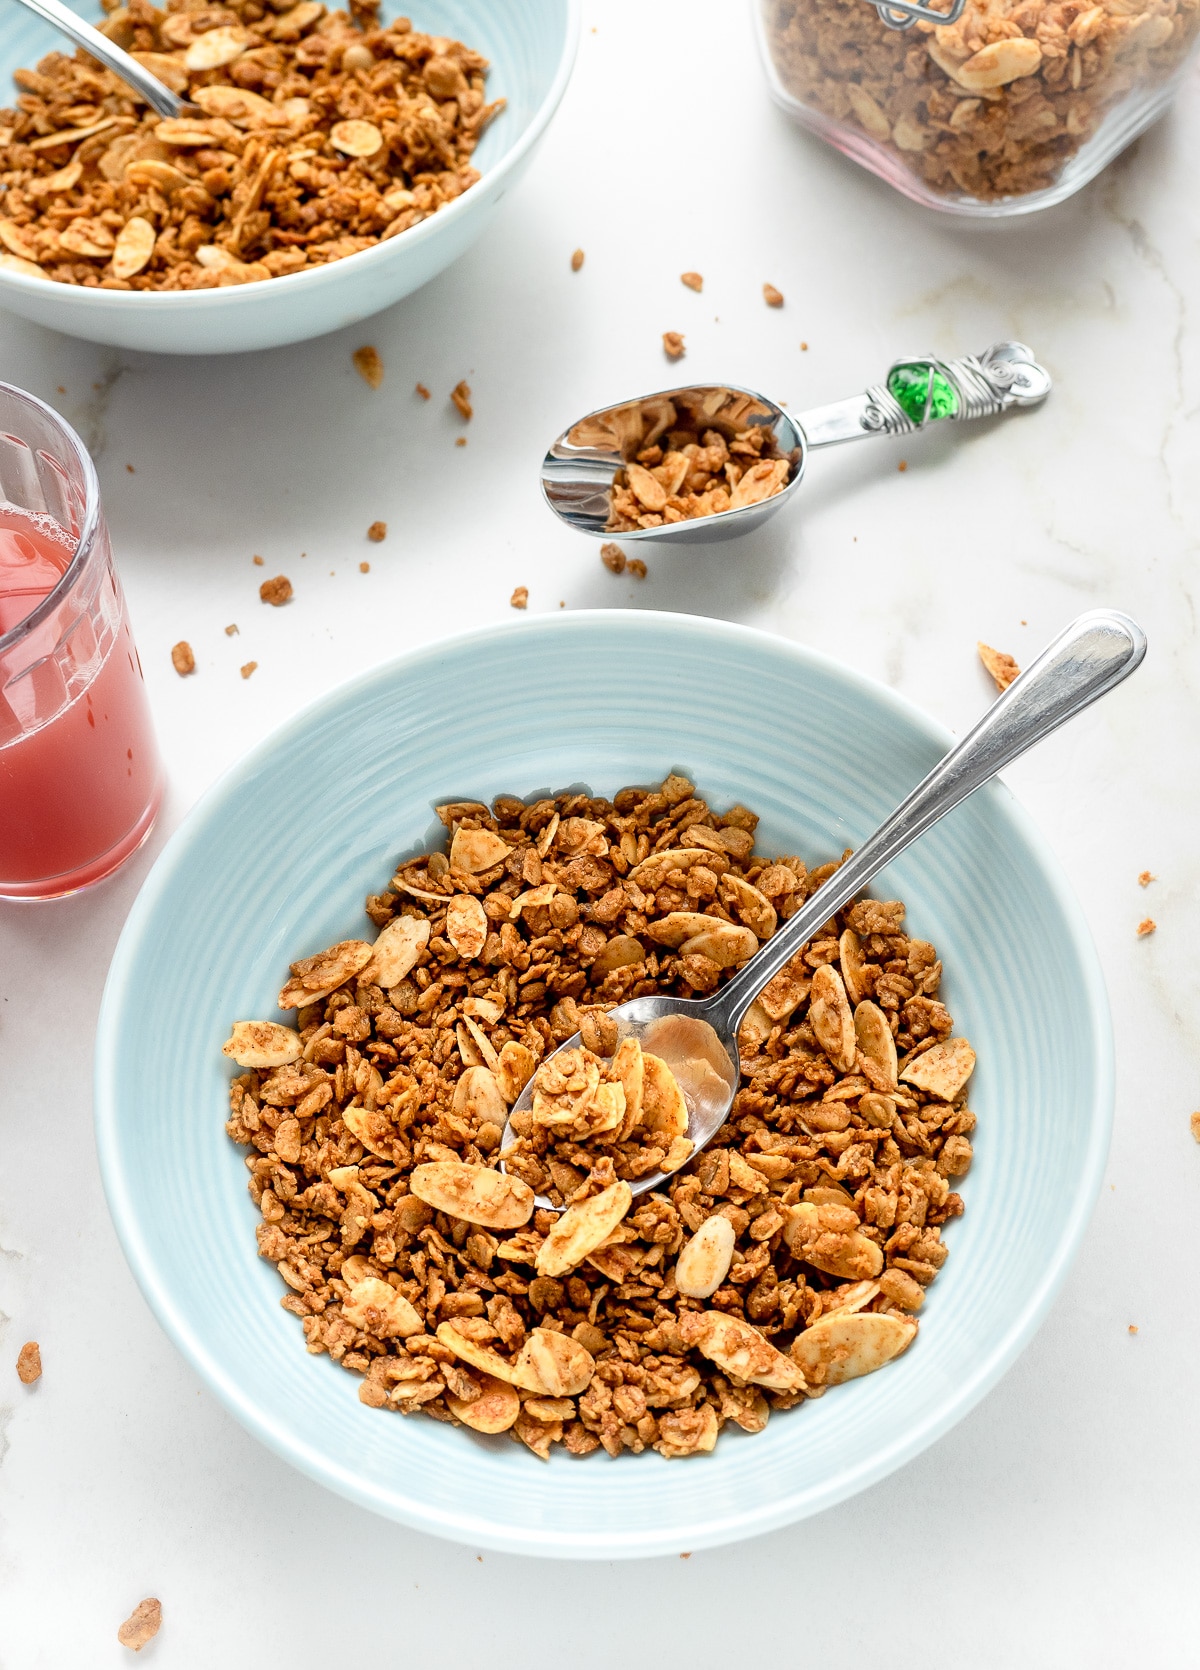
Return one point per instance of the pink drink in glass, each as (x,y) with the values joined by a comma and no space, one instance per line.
(80,781)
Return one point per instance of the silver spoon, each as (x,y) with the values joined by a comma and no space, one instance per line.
(579,470)
(158,96)
(1083,663)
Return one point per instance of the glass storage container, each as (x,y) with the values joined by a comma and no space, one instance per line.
(983,108)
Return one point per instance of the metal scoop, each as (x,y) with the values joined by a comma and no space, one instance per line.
(579,470)
(698,1039)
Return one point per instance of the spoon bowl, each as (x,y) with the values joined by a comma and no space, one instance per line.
(1093,655)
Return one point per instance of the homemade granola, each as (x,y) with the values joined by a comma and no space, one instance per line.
(694,453)
(320,134)
(991,106)
(789,1255)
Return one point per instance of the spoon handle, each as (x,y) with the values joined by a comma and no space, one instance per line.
(923,390)
(1083,663)
(113,57)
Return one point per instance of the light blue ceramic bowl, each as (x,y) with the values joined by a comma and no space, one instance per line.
(276,862)
(531,47)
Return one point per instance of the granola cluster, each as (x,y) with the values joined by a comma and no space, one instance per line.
(992,106)
(787,1256)
(690,454)
(320,134)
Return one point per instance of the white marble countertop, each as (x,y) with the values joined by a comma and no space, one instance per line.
(1056,1525)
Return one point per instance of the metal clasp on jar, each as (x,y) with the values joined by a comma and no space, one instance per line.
(902,14)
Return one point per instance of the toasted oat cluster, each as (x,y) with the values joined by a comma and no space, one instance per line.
(320,134)
(789,1255)
(993,105)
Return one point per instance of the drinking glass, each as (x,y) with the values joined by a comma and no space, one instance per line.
(80,779)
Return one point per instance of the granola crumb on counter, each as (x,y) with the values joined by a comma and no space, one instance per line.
(694,281)
(1146,926)
(520,597)
(423,392)
(276,592)
(687,456)
(1002,668)
(364,568)
(248,667)
(1133,1328)
(320,134)
(804,347)
(29,1363)
(577,259)
(142,1625)
(1194,1123)
(902,465)
(368,365)
(1145,878)
(182,659)
(131,469)
(673,345)
(258,561)
(377,532)
(772,296)
(612,556)
(461,441)
(790,1255)
(460,396)
(637,568)
(231,630)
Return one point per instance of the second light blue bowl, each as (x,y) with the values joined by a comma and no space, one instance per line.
(275,863)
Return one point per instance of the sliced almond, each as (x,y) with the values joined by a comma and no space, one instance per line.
(293,23)
(495,1199)
(215,48)
(582,1228)
(577,836)
(723,943)
(88,237)
(755,1029)
(472,851)
(875,1039)
(494,1410)
(378,1309)
(677,858)
(664,1109)
(738,1349)
(355,138)
(943,1070)
(16,239)
(827,1238)
(488,1053)
(852,965)
(397,951)
(477,1095)
(648,492)
(846,1300)
(531,898)
(843,1347)
(704,1262)
(553,1364)
(235,104)
(71,136)
(679,925)
(622,951)
(15,264)
(754,908)
(370,1127)
(475,1355)
(514,1069)
(188,132)
(48,185)
(262,1044)
(629,1069)
(466,925)
(316,978)
(831,1018)
(153,171)
(998,63)
(134,247)
(761,481)
(168,67)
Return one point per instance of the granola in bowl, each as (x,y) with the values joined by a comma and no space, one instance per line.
(321,133)
(790,1255)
